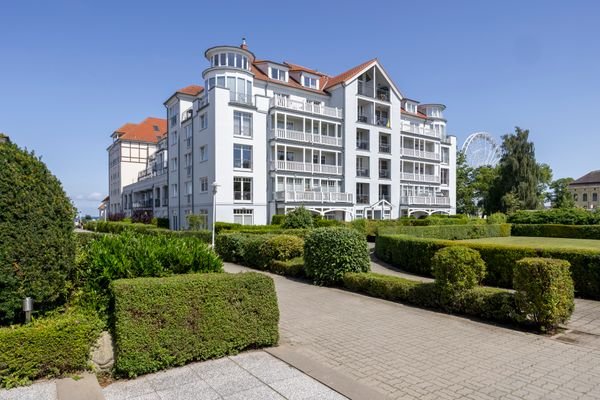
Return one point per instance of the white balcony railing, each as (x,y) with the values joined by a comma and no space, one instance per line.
(319,197)
(421,154)
(407,176)
(298,166)
(239,97)
(284,102)
(305,137)
(420,130)
(425,200)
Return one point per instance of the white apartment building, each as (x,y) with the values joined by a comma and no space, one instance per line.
(276,135)
(128,155)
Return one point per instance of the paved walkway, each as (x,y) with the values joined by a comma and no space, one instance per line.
(404,352)
(253,375)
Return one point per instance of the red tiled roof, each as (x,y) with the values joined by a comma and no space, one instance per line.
(587,179)
(192,90)
(419,114)
(345,76)
(261,76)
(149,130)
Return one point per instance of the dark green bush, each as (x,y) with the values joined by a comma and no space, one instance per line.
(162,223)
(230,246)
(544,291)
(564,216)
(120,226)
(37,248)
(323,223)
(414,255)
(165,322)
(449,232)
(48,347)
(293,267)
(457,269)
(486,303)
(277,219)
(298,218)
(131,255)
(282,248)
(331,252)
(253,256)
(557,231)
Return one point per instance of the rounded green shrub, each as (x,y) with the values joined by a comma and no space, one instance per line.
(496,218)
(282,247)
(298,218)
(331,252)
(457,269)
(37,246)
(544,291)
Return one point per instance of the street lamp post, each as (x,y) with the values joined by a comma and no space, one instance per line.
(215,187)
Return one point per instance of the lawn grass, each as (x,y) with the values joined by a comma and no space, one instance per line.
(540,242)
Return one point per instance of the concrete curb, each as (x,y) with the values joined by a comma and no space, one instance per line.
(86,388)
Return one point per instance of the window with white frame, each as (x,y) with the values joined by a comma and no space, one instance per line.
(187,159)
(278,74)
(173,136)
(242,189)
(242,156)
(243,216)
(203,153)
(242,123)
(188,135)
(310,82)
(203,121)
(172,113)
(411,108)
(174,190)
(174,164)
(204,184)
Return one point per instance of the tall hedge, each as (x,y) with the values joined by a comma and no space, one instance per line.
(164,322)
(331,252)
(557,231)
(450,232)
(415,254)
(37,248)
(564,216)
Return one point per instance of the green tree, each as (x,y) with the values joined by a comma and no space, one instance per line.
(544,181)
(483,179)
(559,195)
(465,193)
(517,184)
(298,218)
(37,247)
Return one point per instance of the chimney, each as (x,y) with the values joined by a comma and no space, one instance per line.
(244,45)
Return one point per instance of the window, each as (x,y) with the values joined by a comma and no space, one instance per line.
(362,193)
(594,196)
(188,163)
(576,197)
(172,113)
(384,143)
(362,140)
(584,197)
(243,216)
(385,193)
(278,74)
(411,108)
(188,191)
(174,164)
(242,124)
(445,176)
(173,137)
(242,189)
(204,184)
(362,166)
(188,136)
(174,190)
(203,121)
(310,82)
(203,153)
(384,168)
(242,156)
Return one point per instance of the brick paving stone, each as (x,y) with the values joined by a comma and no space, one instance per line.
(407,352)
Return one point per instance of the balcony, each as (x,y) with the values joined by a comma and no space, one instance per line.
(296,166)
(240,98)
(312,108)
(187,114)
(156,202)
(362,172)
(305,137)
(153,170)
(377,120)
(142,204)
(362,199)
(362,144)
(384,148)
(317,197)
(407,176)
(421,154)
(425,200)
(384,174)
(366,89)
(420,130)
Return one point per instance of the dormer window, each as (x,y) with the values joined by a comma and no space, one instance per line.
(411,108)
(310,82)
(233,60)
(278,74)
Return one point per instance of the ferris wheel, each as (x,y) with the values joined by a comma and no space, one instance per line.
(481,149)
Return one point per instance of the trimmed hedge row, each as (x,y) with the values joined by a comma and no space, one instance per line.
(449,232)
(486,303)
(568,216)
(47,347)
(165,322)
(119,227)
(415,254)
(557,231)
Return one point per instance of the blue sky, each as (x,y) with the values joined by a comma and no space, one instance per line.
(72,72)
